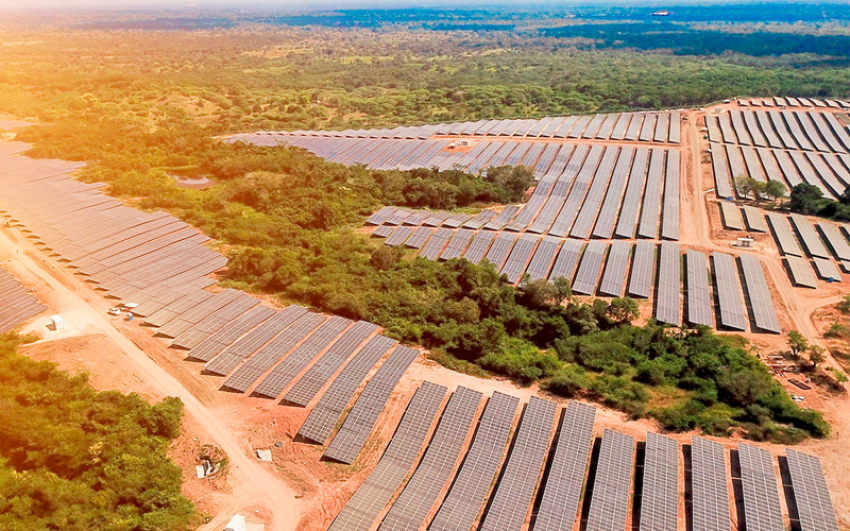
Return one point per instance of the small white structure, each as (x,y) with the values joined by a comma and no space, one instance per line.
(57,323)
(237,523)
(465,143)
(264,455)
(744,242)
(204,469)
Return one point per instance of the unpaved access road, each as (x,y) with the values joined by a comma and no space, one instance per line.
(252,484)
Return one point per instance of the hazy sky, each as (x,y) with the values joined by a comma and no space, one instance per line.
(315,4)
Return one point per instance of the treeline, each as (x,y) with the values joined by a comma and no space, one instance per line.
(74,459)
(808,199)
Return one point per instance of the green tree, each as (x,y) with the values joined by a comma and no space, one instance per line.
(623,310)
(816,356)
(797,342)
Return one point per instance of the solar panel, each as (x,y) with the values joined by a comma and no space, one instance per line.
(483,217)
(801,272)
(643,267)
(588,271)
(809,237)
(264,359)
(587,215)
(418,238)
(604,227)
(567,215)
(16,305)
(361,419)
(520,254)
(811,493)
(727,286)
(755,219)
(659,509)
(435,245)
(837,243)
(699,296)
(670,216)
(501,247)
(762,511)
(324,416)
(761,304)
(457,244)
(469,491)
(614,278)
(783,234)
(827,270)
(367,503)
(231,356)
(543,257)
(314,379)
(478,247)
(383,231)
(503,218)
(563,486)
(399,236)
(515,491)
(722,178)
(565,264)
(632,198)
(285,372)
(710,493)
(669,282)
(435,470)
(609,503)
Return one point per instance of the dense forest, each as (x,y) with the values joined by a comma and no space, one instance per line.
(74,459)
(140,106)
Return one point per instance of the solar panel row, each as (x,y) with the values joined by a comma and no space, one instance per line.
(659,509)
(364,507)
(436,467)
(762,511)
(16,305)
(514,493)
(710,493)
(361,419)
(609,503)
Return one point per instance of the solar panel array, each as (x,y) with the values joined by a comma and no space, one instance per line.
(326,413)
(609,504)
(135,256)
(250,372)
(470,489)
(755,283)
(699,296)
(643,267)
(589,269)
(308,386)
(801,272)
(514,493)
(361,419)
(815,141)
(614,278)
(16,305)
(667,308)
(659,510)
(762,511)
(811,495)
(728,289)
(710,493)
(436,467)
(586,191)
(285,372)
(562,489)
(233,355)
(215,343)
(369,500)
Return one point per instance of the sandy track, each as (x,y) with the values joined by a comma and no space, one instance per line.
(252,484)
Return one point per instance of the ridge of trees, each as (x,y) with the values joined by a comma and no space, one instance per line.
(75,459)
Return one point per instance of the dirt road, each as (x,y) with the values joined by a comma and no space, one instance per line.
(253,484)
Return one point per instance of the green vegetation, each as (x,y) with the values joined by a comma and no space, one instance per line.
(747,186)
(809,199)
(78,460)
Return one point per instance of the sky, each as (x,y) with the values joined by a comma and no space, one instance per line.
(301,4)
